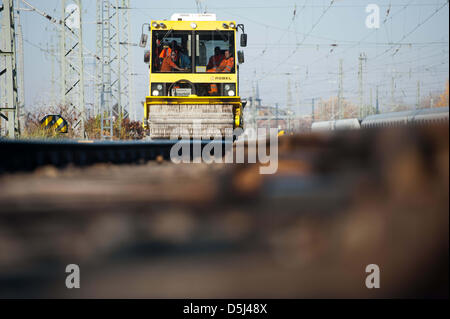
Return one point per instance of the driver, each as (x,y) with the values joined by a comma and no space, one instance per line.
(168,64)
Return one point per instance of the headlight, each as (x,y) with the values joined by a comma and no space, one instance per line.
(229,89)
(157,89)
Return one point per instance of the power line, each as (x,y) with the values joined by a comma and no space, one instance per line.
(58,23)
(287,6)
(305,36)
(390,18)
(412,31)
(315,45)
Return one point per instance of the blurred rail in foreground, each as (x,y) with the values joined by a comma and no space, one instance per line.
(27,155)
(337,203)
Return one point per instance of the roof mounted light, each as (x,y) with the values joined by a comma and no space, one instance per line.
(193,25)
(162,25)
(155,25)
(232,25)
(225,26)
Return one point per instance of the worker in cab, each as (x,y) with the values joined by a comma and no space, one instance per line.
(216,59)
(167,50)
(184,59)
(168,64)
(227,66)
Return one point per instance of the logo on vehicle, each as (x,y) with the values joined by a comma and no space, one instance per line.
(220,78)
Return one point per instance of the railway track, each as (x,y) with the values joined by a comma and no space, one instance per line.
(27,155)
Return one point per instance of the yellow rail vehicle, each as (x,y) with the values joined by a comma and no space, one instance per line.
(194,77)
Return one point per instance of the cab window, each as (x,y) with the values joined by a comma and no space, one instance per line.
(171,51)
(210,51)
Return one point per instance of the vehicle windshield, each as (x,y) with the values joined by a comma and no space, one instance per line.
(214,52)
(172,51)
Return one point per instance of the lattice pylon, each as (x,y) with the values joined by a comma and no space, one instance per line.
(98,60)
(126,61)
(72,63)
(8,70)
(110,66)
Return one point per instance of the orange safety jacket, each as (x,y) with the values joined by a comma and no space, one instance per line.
(165,52)
(213,89)
(225,66)
(168,65)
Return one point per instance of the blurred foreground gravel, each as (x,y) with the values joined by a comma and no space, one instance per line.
(160,230)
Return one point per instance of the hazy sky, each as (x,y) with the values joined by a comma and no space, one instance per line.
(411,45)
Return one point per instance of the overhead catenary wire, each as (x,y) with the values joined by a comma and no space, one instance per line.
(303,40)
(413,30)
(59,23)
(52,54)
(340,5)
(388,18)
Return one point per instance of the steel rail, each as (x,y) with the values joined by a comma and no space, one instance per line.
(27,155)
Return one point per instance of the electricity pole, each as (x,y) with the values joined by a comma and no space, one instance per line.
(254,104)
(393,91)
(72,61)
(333,115)
(20,72)
(418,95)
(341,88)
(127,62)
(117,69)
(110,78)
(289,103)
(63,53)
(362,59)
(297,109)
(98,62)
(106,97)
(377,102)
(9,99)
